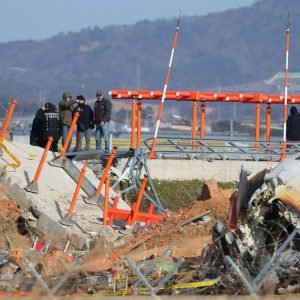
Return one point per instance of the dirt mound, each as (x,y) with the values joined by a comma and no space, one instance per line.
(218,205)
(12,233)
(171,229)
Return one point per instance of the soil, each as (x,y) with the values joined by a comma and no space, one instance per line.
(189,240)
(12,231)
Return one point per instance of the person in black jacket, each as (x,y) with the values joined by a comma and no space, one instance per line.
(36,134)
(46,124)
(84,124)
(293,125)
(102,113)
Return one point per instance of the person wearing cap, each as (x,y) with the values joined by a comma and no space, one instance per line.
(84,124)
(66,115)
(102,113)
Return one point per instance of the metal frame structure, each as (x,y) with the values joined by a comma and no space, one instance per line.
(220,149)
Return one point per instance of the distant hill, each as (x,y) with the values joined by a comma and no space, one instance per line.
(216,51)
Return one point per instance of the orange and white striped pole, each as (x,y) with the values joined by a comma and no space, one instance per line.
(283,156)
(151,154)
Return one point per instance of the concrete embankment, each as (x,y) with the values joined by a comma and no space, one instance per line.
(56,189)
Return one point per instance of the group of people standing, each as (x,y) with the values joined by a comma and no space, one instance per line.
(50,122)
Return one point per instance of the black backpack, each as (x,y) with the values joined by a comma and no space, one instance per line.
(51,125)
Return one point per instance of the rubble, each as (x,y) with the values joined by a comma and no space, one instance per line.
(241,241)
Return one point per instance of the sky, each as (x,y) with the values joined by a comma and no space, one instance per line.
(41,19)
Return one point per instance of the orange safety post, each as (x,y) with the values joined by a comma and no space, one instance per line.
(139,123)
(68,138)
(58,161)
(202,127)
(114,206)
(67,220)
(194,123)
(94,200)
(7,119)
(139,199)
(106,170)
(33,186)
(133,122)
(106,200)
(268,122)
(150,211)
(257,125)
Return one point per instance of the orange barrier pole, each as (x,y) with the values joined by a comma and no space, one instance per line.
(32,187)
(257,125)
(114,206)
(107,167)
(68,138)
(39,169)
(194,123)
(268,122)
(78,186)
(7,119)
(106,199)
(202,127)
(133,122)
(139,123)
(150,211)
(139,199)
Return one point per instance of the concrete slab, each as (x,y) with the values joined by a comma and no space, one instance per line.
(56,190)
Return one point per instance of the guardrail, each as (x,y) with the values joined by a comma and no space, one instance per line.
(220,149)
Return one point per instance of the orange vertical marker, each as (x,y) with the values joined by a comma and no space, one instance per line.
(33,186)
(67,220)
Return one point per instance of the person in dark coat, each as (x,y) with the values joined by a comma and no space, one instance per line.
(36,135)
(102,113)
(293,125)
(84,124)
(45,124)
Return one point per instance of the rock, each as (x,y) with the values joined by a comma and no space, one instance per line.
(210,190)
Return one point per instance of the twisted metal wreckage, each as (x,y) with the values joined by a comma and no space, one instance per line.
(261,237)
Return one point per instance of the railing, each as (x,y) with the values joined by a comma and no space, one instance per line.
(217,149)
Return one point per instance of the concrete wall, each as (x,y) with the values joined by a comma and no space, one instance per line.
(221,170)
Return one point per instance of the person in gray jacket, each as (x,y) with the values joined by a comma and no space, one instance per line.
(66,116)
(102,113)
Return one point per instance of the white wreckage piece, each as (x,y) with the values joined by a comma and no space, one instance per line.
(268,211)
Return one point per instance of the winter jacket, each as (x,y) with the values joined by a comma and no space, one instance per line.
(102,111)
(85,120)
(66,112)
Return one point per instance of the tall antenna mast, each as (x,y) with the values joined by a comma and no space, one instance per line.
(288,24)
(151,154)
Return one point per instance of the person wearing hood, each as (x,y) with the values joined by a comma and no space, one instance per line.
(84,124)
(293,125)
(66,116)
